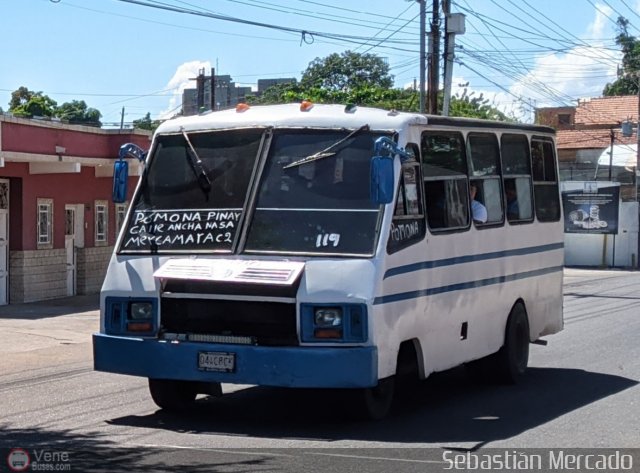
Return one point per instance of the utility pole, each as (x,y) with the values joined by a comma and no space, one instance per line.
(213,89)
(200,91)
(423,36)
(122,119)
(612,137)
(636,181)
(453,24)
(434,59)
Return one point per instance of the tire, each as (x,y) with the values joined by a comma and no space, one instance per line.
(373,403)
(407,372)
(512,359)
(507,365)
(172,395)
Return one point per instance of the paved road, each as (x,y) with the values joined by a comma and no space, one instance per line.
(582,391)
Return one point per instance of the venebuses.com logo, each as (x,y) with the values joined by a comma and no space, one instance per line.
(18,459)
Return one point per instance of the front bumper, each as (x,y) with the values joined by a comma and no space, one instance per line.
(299,367)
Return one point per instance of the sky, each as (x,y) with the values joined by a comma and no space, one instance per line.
(115,54)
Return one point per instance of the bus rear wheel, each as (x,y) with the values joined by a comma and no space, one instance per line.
(513,357)
(171,394)
(508,364)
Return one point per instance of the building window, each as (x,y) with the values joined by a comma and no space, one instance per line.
(564,119)
(121,213)
(4,195)
(45,223)
(101,222)
(69,222)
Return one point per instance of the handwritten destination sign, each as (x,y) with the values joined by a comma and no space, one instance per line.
(181,229)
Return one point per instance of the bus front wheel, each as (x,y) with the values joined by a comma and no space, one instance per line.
(172,395)
(373,403)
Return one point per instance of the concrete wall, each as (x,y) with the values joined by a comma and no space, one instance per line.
(37,275)
(91,267)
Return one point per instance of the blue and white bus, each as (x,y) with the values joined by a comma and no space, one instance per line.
(323,246)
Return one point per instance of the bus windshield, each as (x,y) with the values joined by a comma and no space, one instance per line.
(312,194)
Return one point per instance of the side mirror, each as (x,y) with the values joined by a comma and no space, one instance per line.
(121,170)
(382,180)
(120,178)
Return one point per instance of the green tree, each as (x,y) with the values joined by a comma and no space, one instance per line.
(319,86)
(347,71)
(77,112)
(28,104)
(627,83)
(20,97)
(469,105)
(146,123)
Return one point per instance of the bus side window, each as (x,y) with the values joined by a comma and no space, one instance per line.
(545,182)
(516,166)
(485,168)
(446,185)
(408,225)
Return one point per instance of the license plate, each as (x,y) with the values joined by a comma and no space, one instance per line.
(216,361)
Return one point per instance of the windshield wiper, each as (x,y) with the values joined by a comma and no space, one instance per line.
(197,166)
(325,153)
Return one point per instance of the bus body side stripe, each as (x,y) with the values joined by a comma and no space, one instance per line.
(465,285)
(470,258)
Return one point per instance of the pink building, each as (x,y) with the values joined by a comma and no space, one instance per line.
(58,225)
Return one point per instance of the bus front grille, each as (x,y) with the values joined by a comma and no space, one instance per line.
(268,323)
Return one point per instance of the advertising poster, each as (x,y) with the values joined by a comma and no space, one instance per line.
(591,209)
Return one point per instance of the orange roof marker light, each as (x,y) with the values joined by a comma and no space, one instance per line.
(306,105)
(242,107)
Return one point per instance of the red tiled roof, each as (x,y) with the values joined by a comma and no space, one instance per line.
(607,110)
(582,139)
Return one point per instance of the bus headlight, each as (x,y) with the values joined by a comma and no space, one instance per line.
(328,316)
(127,316)
(140,310)
(346,323)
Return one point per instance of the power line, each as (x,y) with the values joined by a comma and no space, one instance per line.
(306,35)
(390,22)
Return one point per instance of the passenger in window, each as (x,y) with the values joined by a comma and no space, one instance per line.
(513,211)
(478,210)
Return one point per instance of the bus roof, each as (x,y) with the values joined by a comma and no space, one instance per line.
(325,116)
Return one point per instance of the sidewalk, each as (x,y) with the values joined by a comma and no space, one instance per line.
(55,332)
(51,307)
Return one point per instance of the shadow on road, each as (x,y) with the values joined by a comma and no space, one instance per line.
(63,450)
(445,408)
(51,308)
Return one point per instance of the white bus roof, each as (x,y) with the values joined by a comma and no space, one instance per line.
(324,116)
(290,115)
